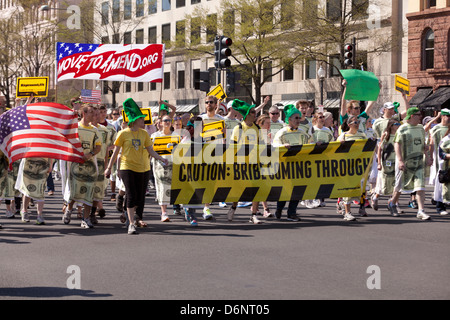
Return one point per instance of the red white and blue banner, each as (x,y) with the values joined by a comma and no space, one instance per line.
(110,62)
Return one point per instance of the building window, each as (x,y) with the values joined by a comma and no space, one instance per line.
(165,31)
(430,3)
(139,8)
(428,50)
(152,8)
(195,1)
(180,3)
(140,36)
(166,80)
(180,84)
(288,73)
(127,86)
(140,86)
(127,8)
(311,69)
(335,66)
(195,31)
(127,38)
(196,79)
(211,27)
(105,13)
(180,33)
(267,71)
(152,35)
(334,10)
(166,5)
(116,11)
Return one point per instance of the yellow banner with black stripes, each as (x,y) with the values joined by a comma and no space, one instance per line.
(206,173)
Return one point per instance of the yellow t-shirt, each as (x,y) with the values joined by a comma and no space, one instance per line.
(134,150)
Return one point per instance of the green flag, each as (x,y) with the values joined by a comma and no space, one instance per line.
(361,85)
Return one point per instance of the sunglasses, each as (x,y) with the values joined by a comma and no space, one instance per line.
(397,124)
(320,117)
(167,120)
(354,122)
(209,102)
(176,118)
(274,113)
(356,108)
(295,118)
(115,114)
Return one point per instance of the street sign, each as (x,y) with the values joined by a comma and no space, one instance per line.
(218,92)
(402,85)
(36,86)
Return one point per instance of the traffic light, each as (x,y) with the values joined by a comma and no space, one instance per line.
(222,52)
(349,55)
(204,81)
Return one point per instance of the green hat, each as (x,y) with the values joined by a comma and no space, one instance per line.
(242,107)
(289,110)
(410,112)
(445,112)
(132,110)
(164,107)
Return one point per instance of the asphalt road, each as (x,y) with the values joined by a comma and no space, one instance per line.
(319,257)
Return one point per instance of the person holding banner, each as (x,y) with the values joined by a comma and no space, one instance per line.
(247,132)
(208,117)
(352,123)
(291,135)
(164,109)
(410,148)
(163,172)
(136,146)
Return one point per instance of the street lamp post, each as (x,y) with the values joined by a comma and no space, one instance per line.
(321,73)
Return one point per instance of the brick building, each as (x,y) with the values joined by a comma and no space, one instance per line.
(429,53)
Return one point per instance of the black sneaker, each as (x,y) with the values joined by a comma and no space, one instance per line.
(293,217)
(278,214)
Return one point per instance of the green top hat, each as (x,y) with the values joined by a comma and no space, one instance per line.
(132,110)
(242,107)
(289,110)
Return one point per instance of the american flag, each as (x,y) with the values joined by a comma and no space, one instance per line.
(47,130)
(69,58)
(91,96)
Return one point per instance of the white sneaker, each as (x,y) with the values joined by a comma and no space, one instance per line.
(40,220)
(86,223)
(66,216)
(165,217)
(25,216)
(422,215)
(267,214)
(222,204)
(443,213)
(132,229)
(207,214)
(9,214)
(254,219)
(349,217)
(230,213)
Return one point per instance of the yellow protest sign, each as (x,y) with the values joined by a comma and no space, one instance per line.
(402,85)
(213,130)
(164,145)
(146,111)
(36,86)
(218,92)
(231,173)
